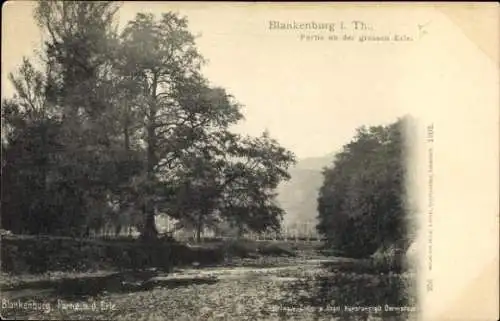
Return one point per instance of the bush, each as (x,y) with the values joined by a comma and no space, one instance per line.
(388,258)
(240,248)
(276,250)
(39,254)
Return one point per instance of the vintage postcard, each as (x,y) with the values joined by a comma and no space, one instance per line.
(250,161)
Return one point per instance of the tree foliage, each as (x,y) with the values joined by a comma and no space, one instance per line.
(363,203)
(117,126)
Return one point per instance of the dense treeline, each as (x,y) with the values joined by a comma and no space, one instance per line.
(116,126)
(363,204)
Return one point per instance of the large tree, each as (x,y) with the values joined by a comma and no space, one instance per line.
(29,138)
(117,127)
(185,128)
(77,56)
(234,181)
(249,191)
(159,57)
(363,202)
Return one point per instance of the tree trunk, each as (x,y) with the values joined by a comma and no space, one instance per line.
(117,229)
(198,233)
(150,231)
(126,128)
(240,231)
(199,227)
(150,226)
(126,137)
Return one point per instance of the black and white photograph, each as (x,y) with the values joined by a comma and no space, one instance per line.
(236,161)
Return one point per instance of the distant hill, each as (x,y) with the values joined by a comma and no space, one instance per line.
(298,197)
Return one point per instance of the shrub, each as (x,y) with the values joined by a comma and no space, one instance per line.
(39,254)
(275,250)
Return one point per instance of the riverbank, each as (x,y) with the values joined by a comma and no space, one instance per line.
(285,291)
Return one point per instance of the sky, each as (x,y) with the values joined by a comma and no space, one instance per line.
(311,96)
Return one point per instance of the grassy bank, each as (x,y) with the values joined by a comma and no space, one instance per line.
(41,254)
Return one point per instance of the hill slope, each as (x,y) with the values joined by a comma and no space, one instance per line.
(298,197)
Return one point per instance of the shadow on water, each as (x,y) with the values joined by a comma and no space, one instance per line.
(78,288)
(351,291)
